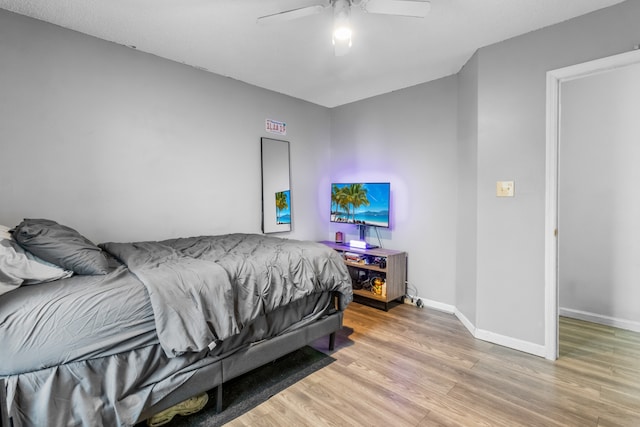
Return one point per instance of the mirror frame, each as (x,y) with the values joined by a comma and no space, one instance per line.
(276,183)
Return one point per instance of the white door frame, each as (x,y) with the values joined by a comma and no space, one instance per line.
(554,79)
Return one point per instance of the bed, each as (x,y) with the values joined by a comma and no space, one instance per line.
(126,330)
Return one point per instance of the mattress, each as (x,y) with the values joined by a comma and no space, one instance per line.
(74,319)
(102,387)
(88,317)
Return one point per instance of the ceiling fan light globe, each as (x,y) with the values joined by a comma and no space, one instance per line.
(342,33)
(341,47)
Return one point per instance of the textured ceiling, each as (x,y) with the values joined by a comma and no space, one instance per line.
(296,57)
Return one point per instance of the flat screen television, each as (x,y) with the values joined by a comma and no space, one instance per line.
(364,204)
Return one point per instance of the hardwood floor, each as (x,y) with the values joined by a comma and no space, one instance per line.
(421,367)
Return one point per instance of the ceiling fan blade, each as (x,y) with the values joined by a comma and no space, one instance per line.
(410,8)
(291,14)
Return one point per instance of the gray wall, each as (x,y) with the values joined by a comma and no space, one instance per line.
(498,257)
(467,226)
(123,145)
(407,138)
(599,202)
(511,146)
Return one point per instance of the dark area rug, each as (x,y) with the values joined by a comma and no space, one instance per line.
(251,389)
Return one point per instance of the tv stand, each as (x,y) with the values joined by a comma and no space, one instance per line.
(367,264)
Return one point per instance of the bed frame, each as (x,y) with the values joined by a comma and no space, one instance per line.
(4,414)
(214,375)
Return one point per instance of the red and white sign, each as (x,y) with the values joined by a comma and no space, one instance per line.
(273,126)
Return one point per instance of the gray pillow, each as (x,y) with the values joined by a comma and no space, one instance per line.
(61,245)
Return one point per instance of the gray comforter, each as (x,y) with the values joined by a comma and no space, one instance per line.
(92,350)
(206,289)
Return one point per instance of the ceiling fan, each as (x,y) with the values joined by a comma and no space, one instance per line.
(342,12)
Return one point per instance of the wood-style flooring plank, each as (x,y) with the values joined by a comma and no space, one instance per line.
(420,367)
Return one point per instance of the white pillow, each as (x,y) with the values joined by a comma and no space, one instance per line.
(4,233)
(18,266)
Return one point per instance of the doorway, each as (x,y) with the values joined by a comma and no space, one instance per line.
(555,79)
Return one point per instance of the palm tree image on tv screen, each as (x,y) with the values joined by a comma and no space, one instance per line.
(283,211)
(360,204)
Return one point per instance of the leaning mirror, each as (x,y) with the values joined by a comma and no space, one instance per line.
(276,192)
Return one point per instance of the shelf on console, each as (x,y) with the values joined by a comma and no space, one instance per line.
(394,271)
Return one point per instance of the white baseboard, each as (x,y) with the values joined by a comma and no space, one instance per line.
(629,325)
(514,343)
(465,322)
(492,337)
(537,349)
(447,308)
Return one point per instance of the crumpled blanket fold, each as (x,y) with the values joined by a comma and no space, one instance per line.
(206,289)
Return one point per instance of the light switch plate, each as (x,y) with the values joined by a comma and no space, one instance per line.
(504,189)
